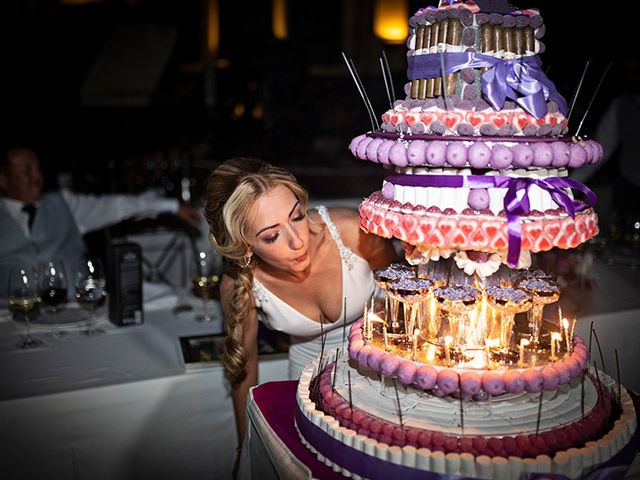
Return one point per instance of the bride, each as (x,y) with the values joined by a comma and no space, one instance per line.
(298,267)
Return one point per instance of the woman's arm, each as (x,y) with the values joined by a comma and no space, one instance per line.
(239,391)
(378,251)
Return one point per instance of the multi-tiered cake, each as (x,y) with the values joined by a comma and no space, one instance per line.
(452,369)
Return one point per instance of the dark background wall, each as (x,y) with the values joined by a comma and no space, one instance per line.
(290,102)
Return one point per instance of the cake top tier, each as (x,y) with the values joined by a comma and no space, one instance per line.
(460,9)
(473,60)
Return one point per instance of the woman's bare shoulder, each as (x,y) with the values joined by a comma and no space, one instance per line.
(376,250)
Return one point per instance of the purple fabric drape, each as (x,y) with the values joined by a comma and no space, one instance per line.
(516,205)
(521,79)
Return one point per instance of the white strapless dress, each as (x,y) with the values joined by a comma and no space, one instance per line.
(357,288)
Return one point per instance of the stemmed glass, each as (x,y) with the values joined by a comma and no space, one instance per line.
(53,289)
(543,292)
(90,290)
(205,282)
(24,300)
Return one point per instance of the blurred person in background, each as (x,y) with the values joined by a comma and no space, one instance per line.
(38,226)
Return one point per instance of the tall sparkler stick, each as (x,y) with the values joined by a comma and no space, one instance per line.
(539,412)
(604,74)
(335,371)
(344,320)
(461,404)
(366,97)
(361,92)
(350,398)
(323,339)
(595,335)
(444,80)
(618,376)
(390,77)
(577,90)
(582,394)
(386,82)
(395,387)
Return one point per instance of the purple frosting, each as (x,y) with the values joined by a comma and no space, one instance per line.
(389,365)
(416,152)
(560,154)
(513,381)
(507,294)
(447,381)
(502,157)
(550,378)
(436,153)
(538,285)
(398,155)
(363,354)
(392,273)
(383,152)
(407,372)
(522,156)
(542,154)
(411,284)
(471,383)
(534,382)
(492,383)
(457,293)
(478,199)
(374,359)
(456,154)
(426,377)
(479,155)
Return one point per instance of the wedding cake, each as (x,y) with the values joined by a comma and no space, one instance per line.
(453,368)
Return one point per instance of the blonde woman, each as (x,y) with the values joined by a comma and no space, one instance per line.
(297,266)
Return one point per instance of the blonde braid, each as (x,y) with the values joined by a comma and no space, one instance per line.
(232,190)
(234,355)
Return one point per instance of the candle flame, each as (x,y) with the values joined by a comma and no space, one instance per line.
(431,353)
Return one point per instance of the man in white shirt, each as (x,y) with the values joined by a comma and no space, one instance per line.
(36,226)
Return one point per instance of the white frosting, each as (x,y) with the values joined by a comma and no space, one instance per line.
(573,463)
(483,269)
(509,414)
(456,198)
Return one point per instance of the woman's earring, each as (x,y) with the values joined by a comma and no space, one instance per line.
(247,261)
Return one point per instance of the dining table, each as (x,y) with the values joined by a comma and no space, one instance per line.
(140,401)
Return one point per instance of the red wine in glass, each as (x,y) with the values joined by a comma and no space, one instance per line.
(53,296)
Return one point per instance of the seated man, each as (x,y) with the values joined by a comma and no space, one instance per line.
(38,227)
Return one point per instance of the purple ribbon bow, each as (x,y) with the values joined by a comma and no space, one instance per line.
(516,204)
(521,79)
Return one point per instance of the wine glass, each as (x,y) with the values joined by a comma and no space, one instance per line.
(205,282)
(52,285)
(24,300)
(90,290)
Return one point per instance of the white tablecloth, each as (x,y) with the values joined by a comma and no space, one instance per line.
(116,406)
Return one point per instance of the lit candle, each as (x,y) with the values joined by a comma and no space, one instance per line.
(565,324)
(489,344)
(447,343)
(365,324)
(416,332)
(386,340)
(573,329)
(431,353)
(523,343)
(556,338)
